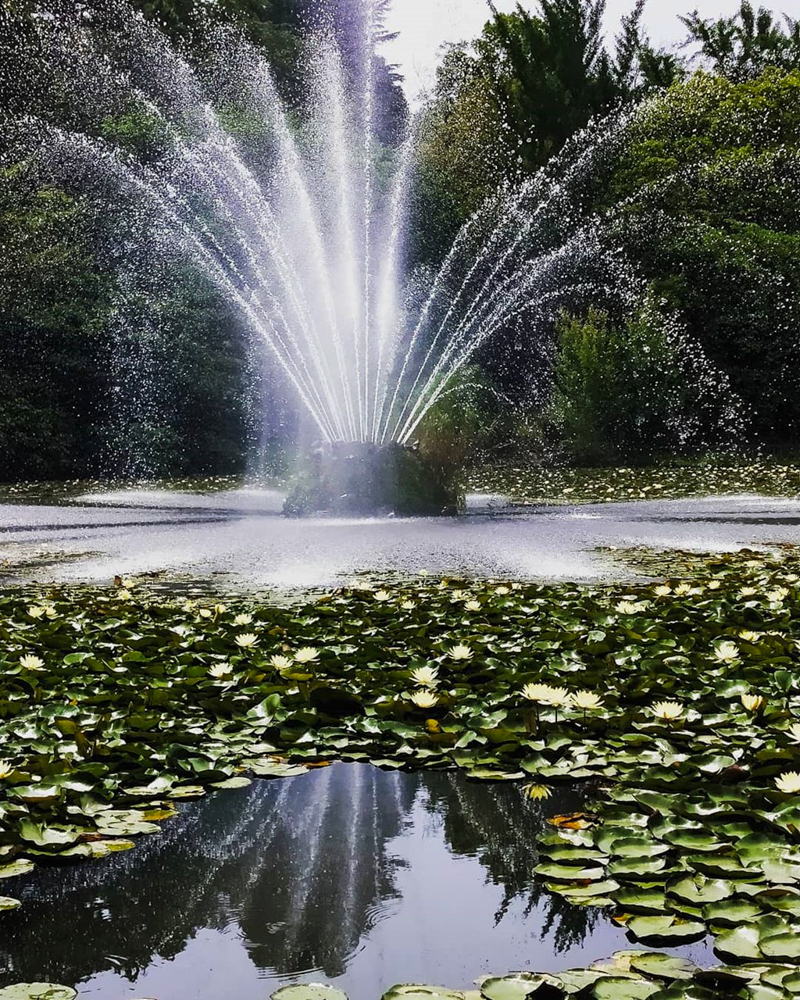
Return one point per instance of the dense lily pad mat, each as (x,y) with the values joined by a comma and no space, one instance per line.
(676,705)
(565,486)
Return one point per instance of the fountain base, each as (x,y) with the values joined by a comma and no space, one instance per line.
(368,479)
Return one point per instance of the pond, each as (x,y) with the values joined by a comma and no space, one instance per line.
(351,875)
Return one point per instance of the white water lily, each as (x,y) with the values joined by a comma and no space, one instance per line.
(794,732)
(587,700)
(205,613)
(425,676)
(36,611)
(559,697)
(472,606)
(714,585)
(662,591)
(778,595)
(124,595)
(220,609)
(243,620)
(6,768)
(727,652)
(630,607)
(789,783)
(683,589)
(752,702)
(424,699)
(31,662)
(246,640)
(408,605)
(220,671)
(748,592)
(460,652)
(537,692)
(501,591)
(748,636)
(382,596)
(281,662)
(458,595)
(306,655)
(670,711)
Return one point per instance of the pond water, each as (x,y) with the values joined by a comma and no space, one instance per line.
(240,539)
(350,875)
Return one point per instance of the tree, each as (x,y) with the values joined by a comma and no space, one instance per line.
(743,46)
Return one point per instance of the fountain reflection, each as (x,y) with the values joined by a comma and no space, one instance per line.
(358,876)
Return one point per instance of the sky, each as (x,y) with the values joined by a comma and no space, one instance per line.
(426,25)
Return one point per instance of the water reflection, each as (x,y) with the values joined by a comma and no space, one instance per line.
(350,874)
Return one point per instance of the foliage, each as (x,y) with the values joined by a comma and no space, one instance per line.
(743,46)
(710,184)
(625,392)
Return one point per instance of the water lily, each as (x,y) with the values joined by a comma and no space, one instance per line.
(31,662)
(794,732)
(662,591)
(587,700)
(220,609)
(559,697)
(246,640)
(382,596)
(425,676)
(458,595)
(748,592)
(124,595)
(629,607)
(714,585)
(243,620)
(502,591)
(789,783)
(408,605)
(669,711)
(460,652)
(537,692)
(778,595)
(472,606)
(306,655)
(220,671)
(281,662)
(424,699)
(6,768)
(205,613)
(536,792)
(36,611)
(727,652)
(752,702)
(748,636)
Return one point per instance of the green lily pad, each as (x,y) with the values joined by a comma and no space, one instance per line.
(37,991)
(667,967)
(20,867)
(410,991)
(9,903)
(309,991)
(520,985)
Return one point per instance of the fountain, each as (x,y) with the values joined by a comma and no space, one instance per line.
(304,231)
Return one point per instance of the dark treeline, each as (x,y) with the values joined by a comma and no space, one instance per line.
(704,200)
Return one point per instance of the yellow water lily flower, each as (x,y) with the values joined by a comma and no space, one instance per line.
(281,662)
(587,700)
(424,699)
(789,783)
(425,676)
(752,702)
(246,640)
(220,671)
(727,652)
(670,711)
(748,636)
(306,655)
(31,662)
(460,652)
(536,792)
(243,619)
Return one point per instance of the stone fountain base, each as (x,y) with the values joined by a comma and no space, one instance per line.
(368,479)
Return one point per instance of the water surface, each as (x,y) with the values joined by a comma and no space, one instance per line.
(349,875)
